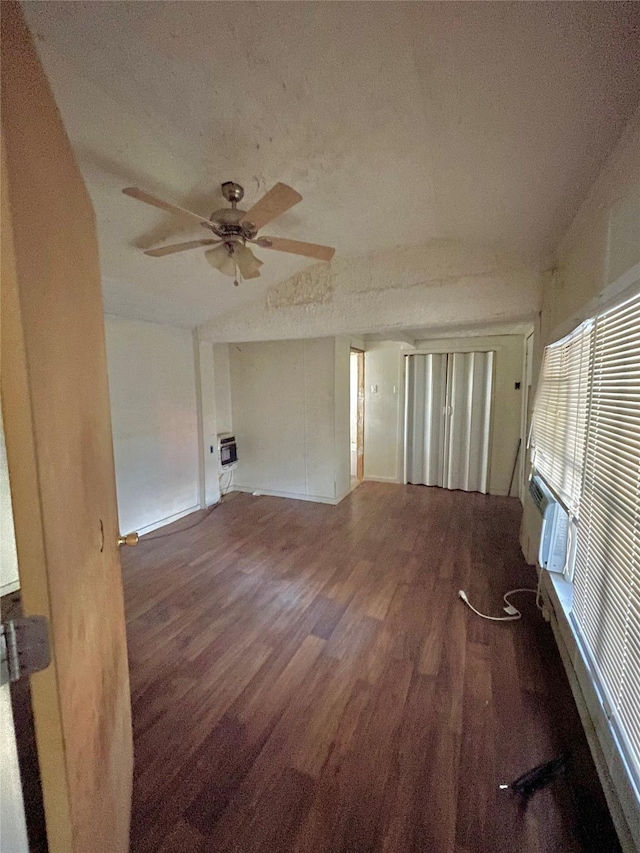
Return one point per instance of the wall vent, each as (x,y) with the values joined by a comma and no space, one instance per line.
(541,495)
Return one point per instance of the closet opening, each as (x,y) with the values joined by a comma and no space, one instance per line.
(448,419)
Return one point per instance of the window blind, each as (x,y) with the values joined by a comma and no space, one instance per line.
(559,415)
(606,606)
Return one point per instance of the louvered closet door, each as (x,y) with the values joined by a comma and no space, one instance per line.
(469,386)
(448,416)
(426,400)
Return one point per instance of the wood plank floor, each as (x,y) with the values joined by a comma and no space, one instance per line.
(305,678)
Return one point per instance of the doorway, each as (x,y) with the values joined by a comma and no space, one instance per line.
(356,416)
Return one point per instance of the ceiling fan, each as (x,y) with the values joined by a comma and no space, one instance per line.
(234,228)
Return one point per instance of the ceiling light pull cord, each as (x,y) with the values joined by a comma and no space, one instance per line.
(510,609)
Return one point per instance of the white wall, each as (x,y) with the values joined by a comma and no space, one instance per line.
(12,815)
(383,371)
(222,388)
(342,429)
(384,408)
(288,401)
(601,245)
(154,413)
(9,580)
(208,427)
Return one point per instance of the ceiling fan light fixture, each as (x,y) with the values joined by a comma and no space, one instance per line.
(234,228)
(222,260)
(247,262)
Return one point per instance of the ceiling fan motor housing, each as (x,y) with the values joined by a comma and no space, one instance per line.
(228,223)
(232,192)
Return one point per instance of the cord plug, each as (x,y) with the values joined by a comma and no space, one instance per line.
(510,609)
(463,595)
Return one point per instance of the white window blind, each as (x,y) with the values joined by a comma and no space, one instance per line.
(559,415)
(606,606)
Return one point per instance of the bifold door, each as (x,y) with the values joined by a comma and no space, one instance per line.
(448,420)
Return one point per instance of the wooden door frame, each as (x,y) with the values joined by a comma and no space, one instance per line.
(360,413)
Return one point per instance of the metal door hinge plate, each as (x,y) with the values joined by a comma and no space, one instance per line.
(24,647)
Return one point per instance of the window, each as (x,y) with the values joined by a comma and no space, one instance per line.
(606,604)
(559,416)
(585,443)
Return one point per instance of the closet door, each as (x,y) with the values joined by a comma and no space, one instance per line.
(425,422)
(468,415)
(448,419)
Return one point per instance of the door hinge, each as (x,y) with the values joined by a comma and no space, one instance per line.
(24,647)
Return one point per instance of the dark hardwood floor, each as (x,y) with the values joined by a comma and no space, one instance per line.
(305,678)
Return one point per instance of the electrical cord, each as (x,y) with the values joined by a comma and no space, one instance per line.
(512,612)
(224,491)
(209,512)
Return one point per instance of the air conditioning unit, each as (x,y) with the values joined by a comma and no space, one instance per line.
(552,553)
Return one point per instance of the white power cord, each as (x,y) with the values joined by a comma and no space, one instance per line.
(229,472)
(512,612)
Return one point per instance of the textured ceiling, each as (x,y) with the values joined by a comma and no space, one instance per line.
(400,123)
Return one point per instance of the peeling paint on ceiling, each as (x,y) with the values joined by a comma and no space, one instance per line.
(309,287)
(429,125)
(444,284)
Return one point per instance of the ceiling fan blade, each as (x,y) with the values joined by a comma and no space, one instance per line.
(179,247)
(247,262)
(275,202)
(148,198)
(295,247)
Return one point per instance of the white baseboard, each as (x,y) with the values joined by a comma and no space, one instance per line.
(341,497)
(9,587)
(296,496)
(168,520)
(373,479)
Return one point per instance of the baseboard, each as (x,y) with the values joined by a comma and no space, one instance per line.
(296,496)
(168,520)
(9,587)
(341,497)
(373,479)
